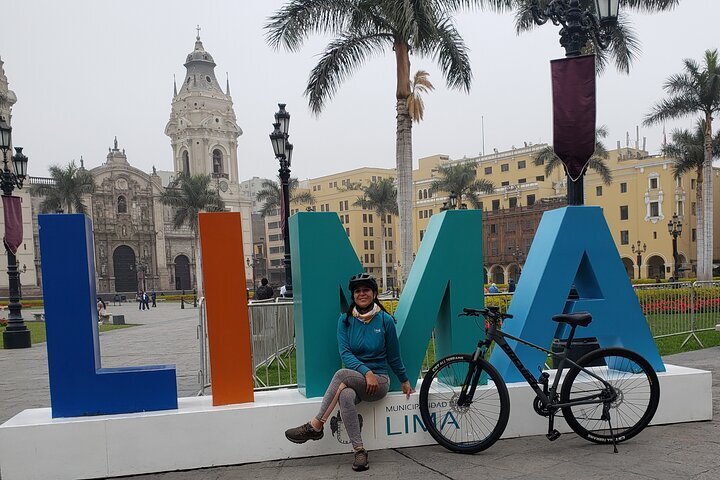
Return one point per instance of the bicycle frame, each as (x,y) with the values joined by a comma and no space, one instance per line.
(494,334)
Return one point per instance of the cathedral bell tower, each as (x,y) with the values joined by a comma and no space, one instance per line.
(202,127)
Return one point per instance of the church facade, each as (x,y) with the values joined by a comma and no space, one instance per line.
(136,244)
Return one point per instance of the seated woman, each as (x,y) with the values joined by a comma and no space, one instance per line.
(103,314)
(368,344)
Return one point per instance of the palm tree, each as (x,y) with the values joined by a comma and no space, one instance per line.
(363,29)
(271,194)
(69,185)
(420,85)
(381,197)
(696,91)
(547,157)
(624,44)
(189,195)
(460,179)
(688,150)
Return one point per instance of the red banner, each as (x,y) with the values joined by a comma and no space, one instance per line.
(13,223)
(573,85)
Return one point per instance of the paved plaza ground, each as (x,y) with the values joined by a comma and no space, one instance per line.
(168,335)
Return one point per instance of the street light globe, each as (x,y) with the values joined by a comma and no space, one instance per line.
(5,135)
(607,10)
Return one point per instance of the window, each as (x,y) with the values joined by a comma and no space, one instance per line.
(598,191)
(623,212)
(327,207)
(692,184)
(530,200)
(521,164)
(510,227)
(277,249)
(322,208)
(365,244)
(314,188)
(272,225)
(372,244)
(121,204)
(374,178)
(365,232)
(654,235)
(334,184)
(389,231)
(275,238)
(624,237)
(496,205)
(653,183)
(422,234)
(186,162)
(370,219)
(389,219)
(623,187)
(430,212)
(388,244)
(371,231)
(425,193)
(540,178)
(419,194)
(420,214)
(217,161)
(513,202)
(341,206)
(692,208)
(342,218)
(654,209)
(504,184)
(347,230)
(364,217)
(488,170)
(345,203)
(493,228)
(347,218)
(367,258)
(541,162)
(505,167)
(494,248)
(694,234)
(522,180)
(329,184)
(389,257)
(372,258)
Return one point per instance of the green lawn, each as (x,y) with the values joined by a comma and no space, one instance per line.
(37,331)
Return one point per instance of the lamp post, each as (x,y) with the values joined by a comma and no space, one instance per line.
(451,203)
(675,229)
(283,153)
(578,26)
(639,251)
(16,334)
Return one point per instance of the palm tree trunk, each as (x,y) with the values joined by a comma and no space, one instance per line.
(707,207)
(403,157)
(700,227)
(382,252)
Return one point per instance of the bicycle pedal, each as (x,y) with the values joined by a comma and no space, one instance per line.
(552,436)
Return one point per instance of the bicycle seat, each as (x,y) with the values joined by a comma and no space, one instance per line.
(581,319)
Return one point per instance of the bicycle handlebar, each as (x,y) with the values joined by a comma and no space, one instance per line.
(492,312)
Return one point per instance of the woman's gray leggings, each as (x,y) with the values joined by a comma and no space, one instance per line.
(348,388)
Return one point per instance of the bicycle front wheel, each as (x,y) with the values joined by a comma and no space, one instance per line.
(635,388)
(474,426)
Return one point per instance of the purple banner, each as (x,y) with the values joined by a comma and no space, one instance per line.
(573,85)
(13,223)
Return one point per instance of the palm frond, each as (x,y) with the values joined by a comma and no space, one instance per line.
(294,22)
(452,56)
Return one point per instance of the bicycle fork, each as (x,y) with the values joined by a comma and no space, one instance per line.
(471,379)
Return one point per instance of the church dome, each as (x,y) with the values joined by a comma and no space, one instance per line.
(199,54)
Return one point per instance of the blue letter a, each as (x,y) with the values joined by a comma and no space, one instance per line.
(573,245)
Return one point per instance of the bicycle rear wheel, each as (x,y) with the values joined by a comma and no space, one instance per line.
(634,382)
(470,428)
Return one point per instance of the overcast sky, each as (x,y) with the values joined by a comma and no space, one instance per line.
(86,71)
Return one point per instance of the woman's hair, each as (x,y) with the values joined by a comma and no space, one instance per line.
(101,301)
(376,301)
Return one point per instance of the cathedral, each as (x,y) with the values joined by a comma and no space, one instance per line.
(136,244)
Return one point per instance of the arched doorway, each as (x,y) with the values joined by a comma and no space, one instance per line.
(182,273)
(629,267)
(514,272)
(124,268)
(656,267)
(497,275)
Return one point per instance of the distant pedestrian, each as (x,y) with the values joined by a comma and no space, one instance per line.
(146,301)
(264,291)
(154,298)
(283,290)
(493,288)
(139,298)
(511,285)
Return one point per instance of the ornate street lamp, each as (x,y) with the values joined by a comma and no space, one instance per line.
(579,25)
(639,252)
(675,230)
(283,153)
(451,203)
(16,334)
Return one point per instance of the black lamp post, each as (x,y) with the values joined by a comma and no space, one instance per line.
(639,252)
(675,229)
(451,203)
(16,334)
(283,153)
(578,26)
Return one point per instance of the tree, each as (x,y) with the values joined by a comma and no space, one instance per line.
(696,91)
(547,157)
(688,150)
(381,197)
(271,193)
(69,185)
(189,195)
(420,85)
(461,179)
(624,45)
(365,28)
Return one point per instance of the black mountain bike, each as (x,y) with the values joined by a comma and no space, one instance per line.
(608,396)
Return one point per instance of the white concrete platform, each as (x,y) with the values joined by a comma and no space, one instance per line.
(36,446)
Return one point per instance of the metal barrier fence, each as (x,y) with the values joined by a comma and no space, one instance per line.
(671,309)
(272,333)
(680,308)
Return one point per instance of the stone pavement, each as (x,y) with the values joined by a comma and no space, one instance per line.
(168,335)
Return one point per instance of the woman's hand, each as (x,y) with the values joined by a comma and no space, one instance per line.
(407,389)
(371,382)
